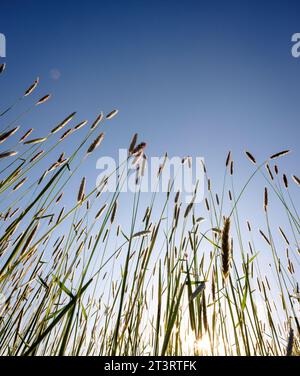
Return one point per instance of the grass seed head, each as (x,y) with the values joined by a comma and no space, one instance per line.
(266,199)
(31,88)
(2,67)
(228,159)
(285,181)
(63,123)
(280,154)
(8,154)
(112,114)
(44,99)
(97,120)
(80,195)
(95,143)
(6,135)
(296,180)
(226,249)
(133,143)
(290,344)
(250,157)
(35,141)
(23,138)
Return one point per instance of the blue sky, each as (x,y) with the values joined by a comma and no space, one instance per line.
(191,77)
(175,69)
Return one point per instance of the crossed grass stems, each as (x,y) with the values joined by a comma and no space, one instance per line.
(76,283)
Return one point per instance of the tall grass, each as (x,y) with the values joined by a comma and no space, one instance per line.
(73,281)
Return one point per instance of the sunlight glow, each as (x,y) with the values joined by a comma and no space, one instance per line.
(200,346)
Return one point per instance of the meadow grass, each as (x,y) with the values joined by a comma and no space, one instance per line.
(74,282)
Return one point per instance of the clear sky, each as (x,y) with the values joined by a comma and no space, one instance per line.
(191,77)
(177,70)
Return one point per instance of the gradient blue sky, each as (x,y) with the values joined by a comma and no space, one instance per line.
(176,69)
(191,77)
